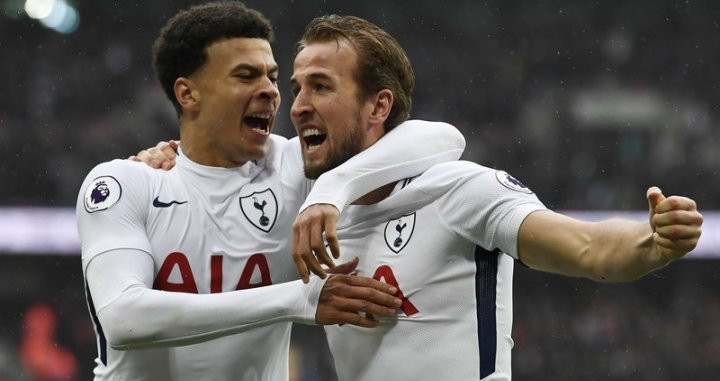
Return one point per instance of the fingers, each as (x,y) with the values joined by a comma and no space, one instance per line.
(168,149)
(343,317)
(297,258)
(677,231)
(678,218)
(675,203)
(301,268)
(166,152)
(676,223)
(675,248)
(303,251)
(147,157)
(369,283)
(309,251)
(318,245)
(346,268)
(161,156)
(367,308)
(331,236)
(355,300)
(654,196)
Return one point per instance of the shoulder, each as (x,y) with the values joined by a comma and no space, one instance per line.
(125,172)
(449,178)
(110,181)
(457,168)
(120,167)
(418,123)
(455,172)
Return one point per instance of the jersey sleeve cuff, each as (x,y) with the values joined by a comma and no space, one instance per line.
(520,212)
(312,296)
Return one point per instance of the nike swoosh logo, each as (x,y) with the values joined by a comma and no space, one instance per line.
(159,204)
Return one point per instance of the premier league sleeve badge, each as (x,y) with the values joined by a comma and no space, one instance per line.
(102,193)
(511,183)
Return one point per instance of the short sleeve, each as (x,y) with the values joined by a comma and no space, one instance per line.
(486,206)
(112,209)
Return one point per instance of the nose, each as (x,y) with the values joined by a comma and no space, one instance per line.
(269,91)
(301,107)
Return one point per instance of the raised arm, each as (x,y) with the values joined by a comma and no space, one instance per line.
(407,150)
(614,250)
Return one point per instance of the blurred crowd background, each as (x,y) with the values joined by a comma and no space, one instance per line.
(587,102)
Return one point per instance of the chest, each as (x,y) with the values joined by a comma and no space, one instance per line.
(215,241)
(416,253)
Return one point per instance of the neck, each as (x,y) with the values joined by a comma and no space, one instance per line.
(202,149)
(377,195)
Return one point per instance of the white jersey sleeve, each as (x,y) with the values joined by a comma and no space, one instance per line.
(407,150)
(483,205)
(136,316)
(111,215)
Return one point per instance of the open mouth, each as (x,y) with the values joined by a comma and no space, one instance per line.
(259,122)
(313,138)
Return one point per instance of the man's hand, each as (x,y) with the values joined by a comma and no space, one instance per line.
(344,296)
(161,156)
(308,250)
(675,222)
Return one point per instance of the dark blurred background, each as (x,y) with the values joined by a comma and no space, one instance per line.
(587,102)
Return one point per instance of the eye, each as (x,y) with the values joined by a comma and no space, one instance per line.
(294,90)
(320,87)
(244,76)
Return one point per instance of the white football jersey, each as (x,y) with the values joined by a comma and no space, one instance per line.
(443,239)
(213,230)
(209,230)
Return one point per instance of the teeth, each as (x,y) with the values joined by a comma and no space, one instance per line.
(313,138)
(259,121)
(311,132)
(261,116)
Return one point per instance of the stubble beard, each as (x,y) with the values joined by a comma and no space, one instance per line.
(340,152)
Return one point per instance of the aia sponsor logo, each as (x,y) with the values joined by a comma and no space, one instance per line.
(176,274)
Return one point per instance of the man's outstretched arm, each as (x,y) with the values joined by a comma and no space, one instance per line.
(614,250)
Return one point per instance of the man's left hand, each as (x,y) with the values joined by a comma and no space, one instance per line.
(675,222)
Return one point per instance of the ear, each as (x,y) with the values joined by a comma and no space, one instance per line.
(381,107)
(187,94)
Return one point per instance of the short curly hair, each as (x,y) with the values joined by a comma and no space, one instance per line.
(381,62)
(180,49)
